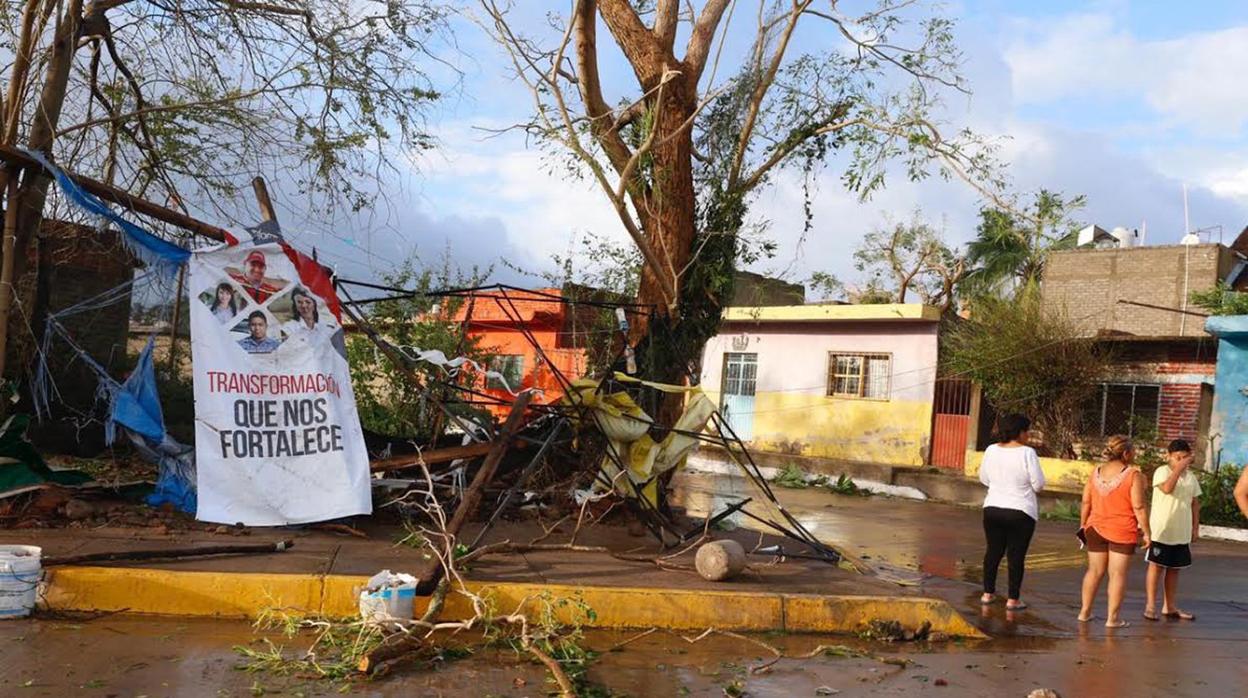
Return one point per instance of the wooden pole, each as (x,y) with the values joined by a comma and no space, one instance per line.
(267,213)
(472,496)
(430,457)
(171,553)
(173,323)
(8,249)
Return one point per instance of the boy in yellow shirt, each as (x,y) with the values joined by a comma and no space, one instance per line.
(1174,520)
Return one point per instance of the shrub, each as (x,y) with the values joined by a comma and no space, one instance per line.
(1217,500)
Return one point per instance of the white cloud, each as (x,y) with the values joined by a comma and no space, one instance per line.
(1195,80)
(541,206)
(499,197)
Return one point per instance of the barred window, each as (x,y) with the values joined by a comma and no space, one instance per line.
(1122,408)
(859,375)
(740,373)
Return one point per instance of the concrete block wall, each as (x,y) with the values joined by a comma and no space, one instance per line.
(1088,283)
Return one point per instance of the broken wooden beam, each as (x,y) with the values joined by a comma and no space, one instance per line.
(122,198)
(471,498)
(437,455)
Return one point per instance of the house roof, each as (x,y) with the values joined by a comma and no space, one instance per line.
(888,312)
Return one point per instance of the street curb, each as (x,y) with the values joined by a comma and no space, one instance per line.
(1237,535)
(246,595)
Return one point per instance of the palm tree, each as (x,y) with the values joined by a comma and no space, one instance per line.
(1011,248)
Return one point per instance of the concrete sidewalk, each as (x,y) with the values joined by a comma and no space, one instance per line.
(323,571)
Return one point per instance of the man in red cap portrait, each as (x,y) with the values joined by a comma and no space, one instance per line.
(252,278)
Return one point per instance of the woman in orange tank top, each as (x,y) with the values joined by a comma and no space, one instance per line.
(1111,518)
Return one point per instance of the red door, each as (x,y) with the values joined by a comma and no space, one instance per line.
(951,423)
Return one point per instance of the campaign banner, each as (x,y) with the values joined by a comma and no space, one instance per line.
(277,434)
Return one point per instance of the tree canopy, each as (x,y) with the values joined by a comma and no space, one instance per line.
(185,100)
(909,262)
(694,133)
(1029,359)
(1011,247)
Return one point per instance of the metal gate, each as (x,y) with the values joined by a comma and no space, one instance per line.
(951,423)
(737,393)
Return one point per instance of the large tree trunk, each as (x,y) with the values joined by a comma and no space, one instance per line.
(33,193)
(669,220)
(670,225)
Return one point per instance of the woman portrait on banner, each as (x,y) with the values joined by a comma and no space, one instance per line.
(225,303)
(306,325)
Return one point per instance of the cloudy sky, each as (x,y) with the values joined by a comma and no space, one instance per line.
(1124,102)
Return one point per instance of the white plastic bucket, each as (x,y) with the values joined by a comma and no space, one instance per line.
(20,572)
(391,603)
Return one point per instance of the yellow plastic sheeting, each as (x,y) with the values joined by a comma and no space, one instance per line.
(627,427)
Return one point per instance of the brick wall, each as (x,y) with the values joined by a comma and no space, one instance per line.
(1179,412)
(1087,284)
(1164,362)
(1182,369)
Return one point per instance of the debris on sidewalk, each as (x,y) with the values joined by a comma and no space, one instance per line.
(720,560)
(388,597)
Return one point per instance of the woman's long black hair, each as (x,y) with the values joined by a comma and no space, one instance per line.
(216,298)
(294,296)
(1011,426)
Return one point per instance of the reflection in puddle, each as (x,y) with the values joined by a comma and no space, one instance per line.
(898,558)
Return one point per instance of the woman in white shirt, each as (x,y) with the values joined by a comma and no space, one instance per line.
(1011,471)
(225,303)
(306,326)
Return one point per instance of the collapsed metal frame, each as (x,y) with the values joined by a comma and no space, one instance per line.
(724,436)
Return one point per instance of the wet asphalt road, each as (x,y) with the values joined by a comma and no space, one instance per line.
(937,545)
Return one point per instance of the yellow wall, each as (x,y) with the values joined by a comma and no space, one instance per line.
(1059,474)
(876,431)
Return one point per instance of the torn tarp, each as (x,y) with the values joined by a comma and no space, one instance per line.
(627,428)
(21,466)
(136,406)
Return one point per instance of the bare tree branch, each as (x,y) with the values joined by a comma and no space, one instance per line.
(699,45)
(666,18)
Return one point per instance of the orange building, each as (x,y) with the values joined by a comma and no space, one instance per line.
(560,329)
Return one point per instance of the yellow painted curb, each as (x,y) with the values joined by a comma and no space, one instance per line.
(811,613)
(245,595)
(185,593)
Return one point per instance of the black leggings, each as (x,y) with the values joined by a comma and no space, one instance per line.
(1009,533)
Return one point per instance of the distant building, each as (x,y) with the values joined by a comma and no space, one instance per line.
(752,290)
(1137,299)
(846,382)
(561,330)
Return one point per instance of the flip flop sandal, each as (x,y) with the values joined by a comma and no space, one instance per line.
(989,602)
(1119,624)
(1016,607)
(1152,616)
(1084,620)
(1179,615)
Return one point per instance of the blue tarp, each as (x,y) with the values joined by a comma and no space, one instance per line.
(136,404)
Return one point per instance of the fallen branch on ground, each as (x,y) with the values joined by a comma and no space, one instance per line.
(170,553)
